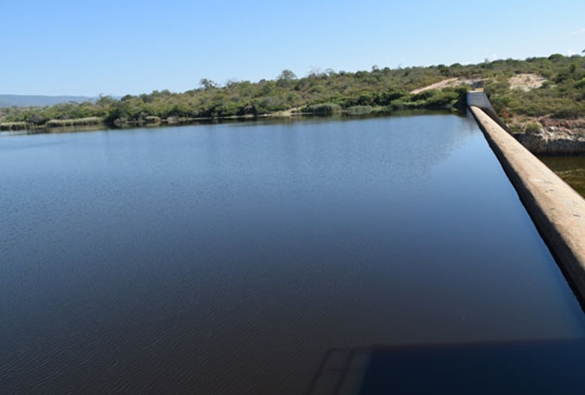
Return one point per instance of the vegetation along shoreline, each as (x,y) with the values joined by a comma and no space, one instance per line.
(541,99)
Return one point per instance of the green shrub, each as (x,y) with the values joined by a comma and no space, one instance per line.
(358,110)
(59,123)
(324,109)
(516,128)
(152,120)
(6,126)
(532,127)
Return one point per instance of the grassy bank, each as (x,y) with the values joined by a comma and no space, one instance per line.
(63,123)
(12,126)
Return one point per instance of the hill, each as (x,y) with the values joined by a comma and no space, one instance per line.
(39,101)
(540,90)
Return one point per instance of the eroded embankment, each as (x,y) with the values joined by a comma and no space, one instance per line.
(556,209)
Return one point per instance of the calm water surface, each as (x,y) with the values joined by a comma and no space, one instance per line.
(228,259)
(569,168)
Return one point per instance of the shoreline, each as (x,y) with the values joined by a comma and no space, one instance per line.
(70,126)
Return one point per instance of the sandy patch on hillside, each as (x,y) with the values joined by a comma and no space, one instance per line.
(526,82)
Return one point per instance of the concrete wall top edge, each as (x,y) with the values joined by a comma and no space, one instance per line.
(557,210)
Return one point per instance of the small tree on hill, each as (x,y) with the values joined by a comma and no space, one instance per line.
(207,84)
(285,78)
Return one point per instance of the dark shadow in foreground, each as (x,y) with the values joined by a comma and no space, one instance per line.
(531,367)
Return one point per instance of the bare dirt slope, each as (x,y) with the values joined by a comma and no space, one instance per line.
(448,83)
(526,82)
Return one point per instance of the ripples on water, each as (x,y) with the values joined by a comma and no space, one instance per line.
(229,259)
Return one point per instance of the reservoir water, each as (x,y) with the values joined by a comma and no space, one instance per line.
(229,259)
(569,168)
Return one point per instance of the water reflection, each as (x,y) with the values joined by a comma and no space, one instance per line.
(569,168)
(507,368)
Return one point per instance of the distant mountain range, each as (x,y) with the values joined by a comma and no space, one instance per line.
(39,101)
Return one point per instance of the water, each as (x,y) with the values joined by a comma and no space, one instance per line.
(569,168)
(229,259)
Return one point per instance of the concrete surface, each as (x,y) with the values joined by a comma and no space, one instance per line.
(556,209)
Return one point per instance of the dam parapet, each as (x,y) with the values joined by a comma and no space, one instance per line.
(556,209)
(560,137)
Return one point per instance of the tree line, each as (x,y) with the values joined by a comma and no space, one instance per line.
(329,91)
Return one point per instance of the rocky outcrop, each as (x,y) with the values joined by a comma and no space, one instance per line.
(555,137)
(545,136)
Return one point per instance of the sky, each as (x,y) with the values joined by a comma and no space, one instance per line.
(118,47)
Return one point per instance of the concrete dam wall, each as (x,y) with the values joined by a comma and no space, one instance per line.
(556,209)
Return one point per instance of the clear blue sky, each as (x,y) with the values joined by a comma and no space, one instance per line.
(117,47)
